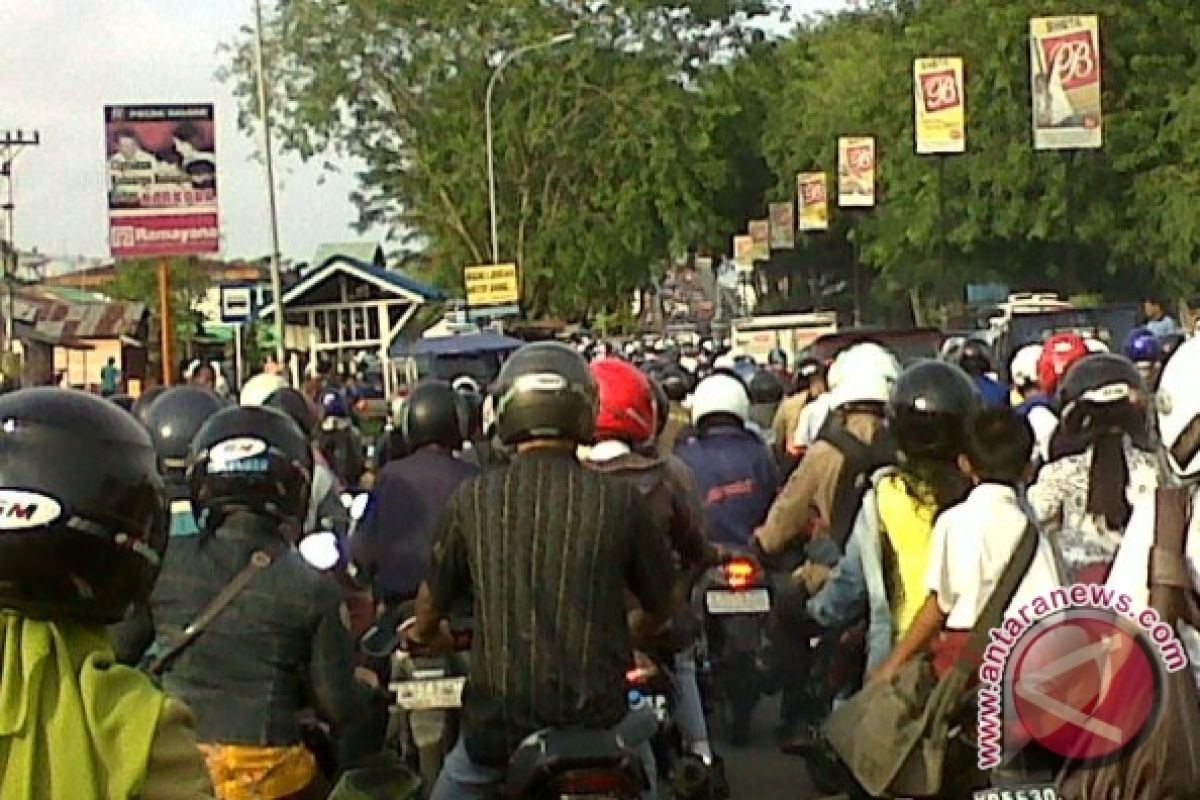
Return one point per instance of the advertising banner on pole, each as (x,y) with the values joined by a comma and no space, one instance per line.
(162,180)
(856,171)
(941,125)
(812,195)
(743,252)
(1064,66)
(783,225)
(760,232)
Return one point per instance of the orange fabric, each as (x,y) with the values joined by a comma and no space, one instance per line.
(241,772)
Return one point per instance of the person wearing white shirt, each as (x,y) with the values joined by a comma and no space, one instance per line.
(1179,430)
(812,419)
(973,542)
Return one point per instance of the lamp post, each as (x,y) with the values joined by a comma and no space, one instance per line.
(264,109)
(507,59)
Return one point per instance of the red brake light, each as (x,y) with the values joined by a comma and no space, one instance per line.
(609,782)
(740,572)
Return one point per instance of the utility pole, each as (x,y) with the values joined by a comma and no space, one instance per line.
(264,108)
(11,143)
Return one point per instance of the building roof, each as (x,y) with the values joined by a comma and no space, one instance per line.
(66,321)
(388,281)
(366,252)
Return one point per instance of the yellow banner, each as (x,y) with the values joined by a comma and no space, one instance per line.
(940,105)
(1064,61)
(782,217)
(760,232)
(743,252)
(812,195)
(492,285)
(856,171)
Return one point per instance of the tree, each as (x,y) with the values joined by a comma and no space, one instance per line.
(138,281)
(604,164)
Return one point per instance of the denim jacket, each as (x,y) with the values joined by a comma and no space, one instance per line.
(856,583)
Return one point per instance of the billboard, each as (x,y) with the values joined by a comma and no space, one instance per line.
(743,251)
(812,195)
(856,171)
(940,106)
(760,233)
(782,217)
(1064,69)
(162,180)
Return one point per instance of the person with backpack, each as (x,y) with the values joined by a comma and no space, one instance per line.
(74,724)
(1085,499)
(339,439)
(1036,406)
(245,629)
(822,495)
(809,383)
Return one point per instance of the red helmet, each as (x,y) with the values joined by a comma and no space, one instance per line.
(1060,352)
(627,411)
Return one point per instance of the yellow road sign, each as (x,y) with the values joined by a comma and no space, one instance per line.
(492,285)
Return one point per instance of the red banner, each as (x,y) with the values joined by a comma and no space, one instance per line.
(164,235)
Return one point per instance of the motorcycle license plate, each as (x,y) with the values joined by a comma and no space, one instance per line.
(749,601)
(425,695)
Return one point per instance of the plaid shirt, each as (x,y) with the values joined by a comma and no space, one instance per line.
(547,549)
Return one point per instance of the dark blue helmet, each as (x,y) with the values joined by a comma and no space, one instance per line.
(333,402)
(1143,346)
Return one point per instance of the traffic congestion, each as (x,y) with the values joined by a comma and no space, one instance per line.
(696,415)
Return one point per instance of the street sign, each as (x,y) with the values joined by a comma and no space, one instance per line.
(492,285)
(237,303)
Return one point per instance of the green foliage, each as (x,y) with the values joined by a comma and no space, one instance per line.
(666,125)
(138,281)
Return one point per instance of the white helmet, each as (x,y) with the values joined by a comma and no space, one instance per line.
(1179,411)
(465,383)
(726,361)
(1094,345)
(1024,367)
(862,373)
(260,387)
(720,394)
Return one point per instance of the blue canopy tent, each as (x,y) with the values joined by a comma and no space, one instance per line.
(478,355)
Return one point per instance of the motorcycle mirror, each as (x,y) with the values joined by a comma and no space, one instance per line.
(321,550)
(358,507)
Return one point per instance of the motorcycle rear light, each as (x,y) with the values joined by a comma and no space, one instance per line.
(606,782)
(740,573)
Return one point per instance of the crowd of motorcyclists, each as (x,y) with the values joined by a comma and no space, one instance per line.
(163,637)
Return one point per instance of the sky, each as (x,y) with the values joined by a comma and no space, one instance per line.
(62,61)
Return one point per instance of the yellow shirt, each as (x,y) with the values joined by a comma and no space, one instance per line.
(908,525)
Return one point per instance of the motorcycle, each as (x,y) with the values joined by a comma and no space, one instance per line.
(573,763)
(737,601)
(426,691)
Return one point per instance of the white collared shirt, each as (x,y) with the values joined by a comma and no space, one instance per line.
(972,543)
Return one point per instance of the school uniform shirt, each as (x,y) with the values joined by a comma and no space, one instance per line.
(1059,503)
(1131,570)
(972,544)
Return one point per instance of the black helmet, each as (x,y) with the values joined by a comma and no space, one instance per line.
(930,406)
(545,391)
(145,400)
(431,416)
(676,384)
(83,520)
(173,421)
(255,458)
(975,358)
(765,387)
(122,401)
(777,358)
(293,403)
(470,412)
(1100,386)
(662,406)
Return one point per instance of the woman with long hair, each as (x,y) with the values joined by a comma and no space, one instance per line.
(1085,500)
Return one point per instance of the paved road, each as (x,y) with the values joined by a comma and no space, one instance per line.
(759,771)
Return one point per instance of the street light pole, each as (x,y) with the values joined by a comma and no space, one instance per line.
(507,59)
(264,109)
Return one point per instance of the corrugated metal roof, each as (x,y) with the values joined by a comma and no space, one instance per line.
(67,320)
